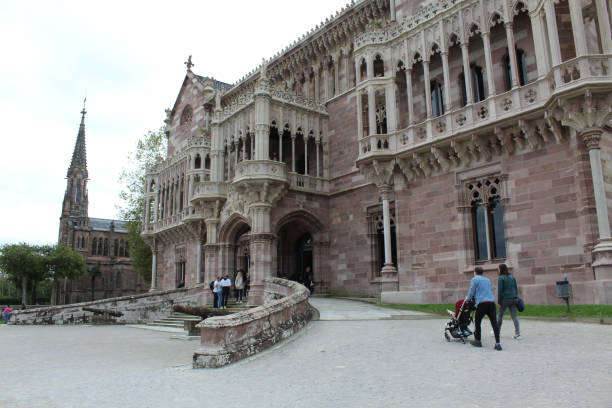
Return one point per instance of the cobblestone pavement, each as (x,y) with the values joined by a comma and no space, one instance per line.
(389,359)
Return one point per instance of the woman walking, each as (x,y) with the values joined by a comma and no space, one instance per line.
(507,297)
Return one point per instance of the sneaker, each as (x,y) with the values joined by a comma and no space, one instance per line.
(492,333)
(516,337)
(498,347)
(476,343)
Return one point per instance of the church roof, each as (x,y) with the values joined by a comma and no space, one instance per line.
(102,224)
(79,156)
(218,85)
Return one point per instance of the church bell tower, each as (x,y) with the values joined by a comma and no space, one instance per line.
(74,221)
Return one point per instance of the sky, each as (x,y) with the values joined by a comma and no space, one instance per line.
(127,57)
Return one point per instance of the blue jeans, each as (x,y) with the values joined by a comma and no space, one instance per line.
(220,299)
(7,317)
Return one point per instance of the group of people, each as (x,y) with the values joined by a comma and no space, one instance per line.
(222,285)
(481,292)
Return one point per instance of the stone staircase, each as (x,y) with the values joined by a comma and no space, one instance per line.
(177,320)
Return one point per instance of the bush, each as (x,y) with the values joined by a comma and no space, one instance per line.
(10,300)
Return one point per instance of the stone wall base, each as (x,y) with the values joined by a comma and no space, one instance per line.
(226,339)
(597,292)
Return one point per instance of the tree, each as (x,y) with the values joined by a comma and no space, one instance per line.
(21,262)
(63,262)
(150,150)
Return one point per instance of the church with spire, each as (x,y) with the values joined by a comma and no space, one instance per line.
(102,242)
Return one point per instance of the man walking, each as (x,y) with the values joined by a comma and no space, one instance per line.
(482,292)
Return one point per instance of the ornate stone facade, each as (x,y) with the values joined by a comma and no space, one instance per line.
(103,243)
(477,131)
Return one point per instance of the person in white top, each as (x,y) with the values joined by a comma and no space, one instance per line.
(239,285)
(218,290)
(226,284)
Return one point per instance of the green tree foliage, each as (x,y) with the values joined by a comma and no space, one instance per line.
(150,150)
(27,265)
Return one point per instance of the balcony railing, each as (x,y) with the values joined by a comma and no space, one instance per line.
(307,183)
(534,95)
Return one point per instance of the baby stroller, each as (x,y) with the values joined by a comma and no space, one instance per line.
(457,327)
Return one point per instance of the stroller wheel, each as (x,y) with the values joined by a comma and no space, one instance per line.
(446,336)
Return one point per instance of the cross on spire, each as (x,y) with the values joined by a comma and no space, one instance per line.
(189,63)
(83,112)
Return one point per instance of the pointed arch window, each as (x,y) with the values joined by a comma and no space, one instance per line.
(487,219)
(379,67)
(363,70)
(521,65)
(377,234)
(105,253)
(94,246)
(100,246)
(197,162)
(187,115)
(381,119)
(437,104)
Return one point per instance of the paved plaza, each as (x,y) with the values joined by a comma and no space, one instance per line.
(357,355)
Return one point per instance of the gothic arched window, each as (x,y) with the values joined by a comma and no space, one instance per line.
(100,246)
(105,253)
(379,67)
(522,68)
(437,105)
(187,115)
(94,246)
(363,70)
(197,162)
(487,219)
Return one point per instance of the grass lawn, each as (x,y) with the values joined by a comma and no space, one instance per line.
(592,311)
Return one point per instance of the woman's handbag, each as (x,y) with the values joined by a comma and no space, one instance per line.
(520,305)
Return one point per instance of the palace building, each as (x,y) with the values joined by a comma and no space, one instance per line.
(103,243)
(393,148)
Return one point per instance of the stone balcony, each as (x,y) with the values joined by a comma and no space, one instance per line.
(491,112)
(259,170)
(307,183)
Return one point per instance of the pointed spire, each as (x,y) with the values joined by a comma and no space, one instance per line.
(79,156)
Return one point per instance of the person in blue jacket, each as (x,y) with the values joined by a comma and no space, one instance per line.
(482,292)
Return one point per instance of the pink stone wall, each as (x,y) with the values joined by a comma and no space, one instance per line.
(166,264)
(190,95)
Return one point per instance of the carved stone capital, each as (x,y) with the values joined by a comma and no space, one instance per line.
(591,137)
(378,172)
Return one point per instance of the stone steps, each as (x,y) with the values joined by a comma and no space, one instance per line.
(177,320)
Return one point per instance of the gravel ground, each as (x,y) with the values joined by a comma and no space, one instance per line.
(385,359)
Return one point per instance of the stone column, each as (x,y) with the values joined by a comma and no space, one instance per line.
(262,119)
(602,253)
(243,147)
(409,95)
(604,26)
(539,42)
(260,250)
(318,145)
(305,154)
(553,38)
(229,164)
(280,144)
(467,73)
(388,272)
(336,76)
(154,269)
(156,208)
(325,83)
(427,88)
(391,107)
(199,262)
(392,10)
(371,111)
(512,54)
(486,40)
(447,81)
(359,116)
(316,84)
(293,153)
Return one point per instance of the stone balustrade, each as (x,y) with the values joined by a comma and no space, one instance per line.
(302,182)
(260,169)
(136,309)
(226,339)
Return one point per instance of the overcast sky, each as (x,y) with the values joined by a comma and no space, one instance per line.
(127,58)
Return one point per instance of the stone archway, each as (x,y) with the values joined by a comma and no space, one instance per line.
(299,254)
(234,243)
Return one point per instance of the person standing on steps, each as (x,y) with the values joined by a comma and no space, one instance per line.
(482,292)
(239,285)
(507,297)
(215,298)
(218,290)
(226,284)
